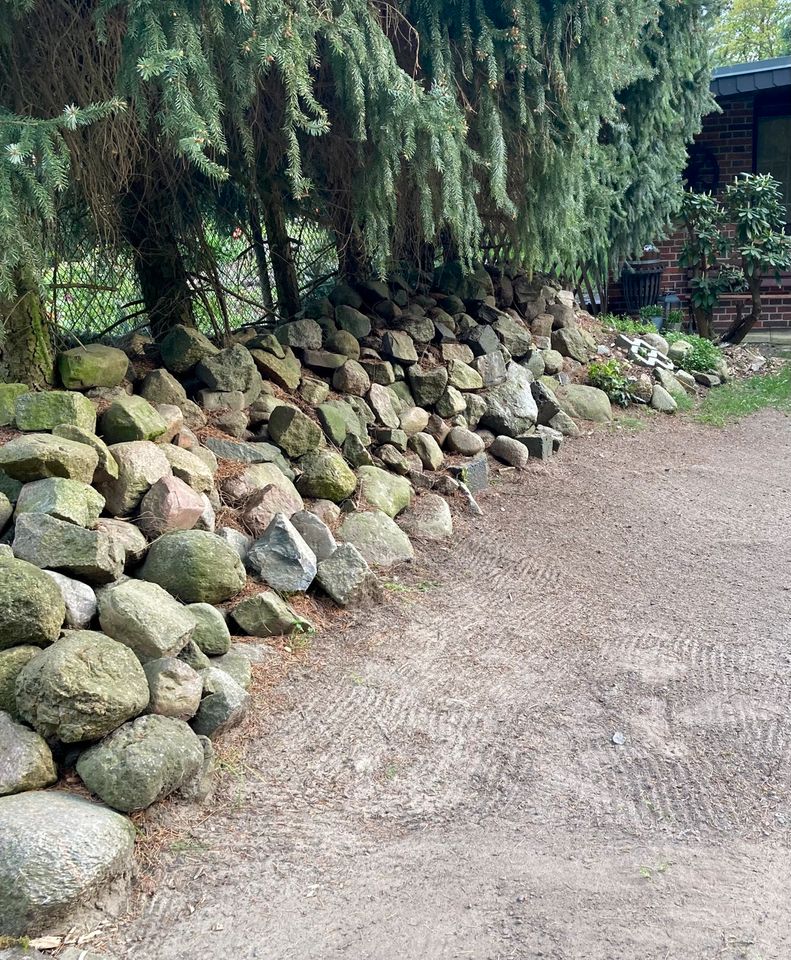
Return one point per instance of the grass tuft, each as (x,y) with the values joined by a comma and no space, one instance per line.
(740,398)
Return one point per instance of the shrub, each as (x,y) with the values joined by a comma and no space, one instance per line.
(703,356)
(608,375)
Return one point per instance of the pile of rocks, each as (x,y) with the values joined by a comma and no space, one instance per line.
(138,504)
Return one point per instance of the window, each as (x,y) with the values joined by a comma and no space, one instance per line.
(773,146)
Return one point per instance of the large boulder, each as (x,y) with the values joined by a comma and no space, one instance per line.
(195,566)
(57,851)
(295,433)
(384,490)
(11,663)
(131,418)
(325,476)
(281,557)
(69,500)
(145,618)
(584,403)
(32,610)
(25,759)
(43,411)
(380,541)
(224,705)
(183,348)
(345,575)
(79,598)
(94,365)
(40,455)
(174,686)
(81,688)
(86,554)
(140,464)
(265,614)
(141,762)
(510,407)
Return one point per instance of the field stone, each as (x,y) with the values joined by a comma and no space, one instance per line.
(351,320)
(130,418)
(39,455)
(380,399)
(563,423)
(189,467)
(194,657)
(25,759)
(94,365)
(46,871)
(428,518)
(211,632)
(392,458)
(141,762)
(281,557)
(43,411)
(239,542)
(377,537)
(140,464)
(464,441)
(236,665)
(174,421)
(145,618)
(510,407)
(31,606)
(345,575)
(315,533)
(195,566)
(265,614)
(662,400)
(399,346)
(351,378)
(345,343)
(491,368)
(224,705)
(584,403)
(230,369)
(86,554)
(413,420)
(427,448)
(261,507)
(68,500)
(125,536)
(464,377)
(79,598)
(383,490)
(427,386)
(510,451)
(257,477)
(451,403)
(284,370)
(325,476)
(81,687)
(11,662)
(313,391)
(6,511)
(294,432)
(303,334)
(9,392)
(184,347)
(354,451)
(107,466)
(169,505)
(574,342)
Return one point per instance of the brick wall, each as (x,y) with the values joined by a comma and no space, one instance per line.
(729,135)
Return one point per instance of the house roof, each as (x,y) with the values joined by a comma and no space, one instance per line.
(752,77)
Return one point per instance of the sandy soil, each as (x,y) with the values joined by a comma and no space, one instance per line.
(440,781)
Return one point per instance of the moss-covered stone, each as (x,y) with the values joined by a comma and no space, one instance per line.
(195,566)
(43,411)
(131,418)
(326,476)
(32,610)
(94,365)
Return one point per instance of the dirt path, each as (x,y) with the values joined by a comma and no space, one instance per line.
(444,784)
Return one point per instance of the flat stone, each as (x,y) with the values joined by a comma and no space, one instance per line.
(25,759)
(428,518)
(379,539)
(94,365)
(281,557)
(515,336)
(81,687)
(140,464)
(195,566)
(145,618)
(324,360)
(43,411)
(266,614)
(224,705)
(241,452)
(79,598)
(86,554)
(482,340)
(47,871)
(37,456)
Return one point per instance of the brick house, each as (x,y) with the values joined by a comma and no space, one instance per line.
(752,133)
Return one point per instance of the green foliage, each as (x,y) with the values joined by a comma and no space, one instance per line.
(703,356)
(753,30)
(647,314)
(740,398)
(625,324)
(754,205)
(608,375)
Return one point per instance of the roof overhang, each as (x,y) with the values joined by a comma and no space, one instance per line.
(752,77)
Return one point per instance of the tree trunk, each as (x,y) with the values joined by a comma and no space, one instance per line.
(259,250)
(28,350)
(704,323)
(741,326)
(158,261)
(280,252)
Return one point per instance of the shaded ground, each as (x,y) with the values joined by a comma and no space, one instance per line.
(441,782)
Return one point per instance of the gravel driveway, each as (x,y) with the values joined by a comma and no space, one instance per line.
(440,780)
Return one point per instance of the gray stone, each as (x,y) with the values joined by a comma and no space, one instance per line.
(351,378)
(107,467)
(175,688)
(474,473)
(345,575)
(25,759)
(63,499)
(515,336)
(383,490)
(239,542)
(563,423)
(539,445)
(145,618)
(351,320)
(428,518)
(339,419)
(510,451)
(46,871)
(79,598)
(482,339)
(94,365)
(553,362)
(293,431)
(211,632)
(413,420)
(247,452)
(399,346)
(491,368)
(140,464)
(464,377)
(316,534)
(302,334)
(188,467)
(354,451)
(31,606)
(256,477)
(584,403)
(381,402)
(324,360)
(464,441)
(326,476)
(37,456)
(510,407)
(236,665)
(195,566)
(574,342)
(224,705)
(183,347)
(266,614)
(475,409)
(43,411)
(427,448)
(141,762)
(677,351)
(707,379)
(427,386)
(11,663)
(378,538)
(131,418)
(228,370)
(281,557)
(313,391)
(86,554)
(451,403)
(126,536)
(345,343)
(81,687)
(662,400)
(672,384)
